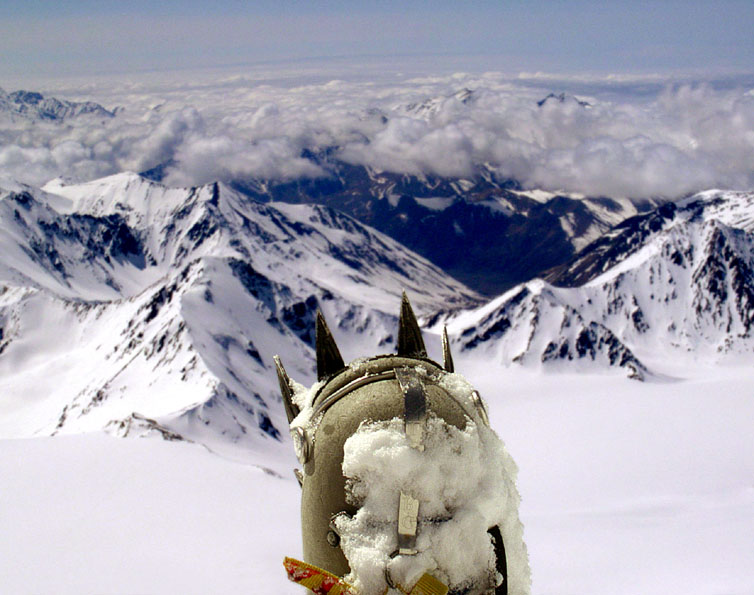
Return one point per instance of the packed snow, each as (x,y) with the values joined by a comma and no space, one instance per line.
(463,481)
(626,488)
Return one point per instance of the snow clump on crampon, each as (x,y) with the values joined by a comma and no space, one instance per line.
(464,481)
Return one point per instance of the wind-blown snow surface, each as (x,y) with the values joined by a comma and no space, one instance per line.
(633,487)
(626,488)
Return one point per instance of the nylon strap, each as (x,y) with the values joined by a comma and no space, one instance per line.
(415,419)
(315,579)
(321,582)
(429,585)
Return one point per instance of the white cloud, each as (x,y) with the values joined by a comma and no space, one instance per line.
(631,142)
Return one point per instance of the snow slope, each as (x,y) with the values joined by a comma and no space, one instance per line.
(626,488)
(147,311)
(170,304)
(93,514)
(669,288)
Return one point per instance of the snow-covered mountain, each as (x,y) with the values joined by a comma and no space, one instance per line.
(129,305)
(675,283)
(136,307)
(483,219)
(535,325)
(563,98)
(34,105)
(432,106)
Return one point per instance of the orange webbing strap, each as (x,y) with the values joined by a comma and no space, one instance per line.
(429,585)
(315,579)
(322,582)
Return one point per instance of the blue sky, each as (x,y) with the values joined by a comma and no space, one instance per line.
(87,37)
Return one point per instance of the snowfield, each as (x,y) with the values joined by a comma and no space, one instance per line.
(90,513)
(129,309)
(626,488)
(632,487)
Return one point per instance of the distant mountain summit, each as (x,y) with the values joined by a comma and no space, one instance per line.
(483,230)
(155,309)
(431,106)
(30,104)
(563,98)
(671,284)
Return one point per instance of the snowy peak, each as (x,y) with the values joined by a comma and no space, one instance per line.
(179,224)
(434,106)
(563,98)
(734,209)
(611,248)
(672,285)
(33,105)
(122,193)
(532,325)
(176,299)
(689,288)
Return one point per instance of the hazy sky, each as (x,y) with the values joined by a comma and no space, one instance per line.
(48,37)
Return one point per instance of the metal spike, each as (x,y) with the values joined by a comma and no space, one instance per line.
(410,342)
(447,357)
(329,360)
(291,409)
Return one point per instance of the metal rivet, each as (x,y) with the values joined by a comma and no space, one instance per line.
(333,538)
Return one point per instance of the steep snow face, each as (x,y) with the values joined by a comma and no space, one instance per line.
(143,308)
(678,283)
(690,287)
(532,325)
(483,217)
(74,255)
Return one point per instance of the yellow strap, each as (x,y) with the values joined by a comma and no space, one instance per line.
(426,585)
(321,582)
(315,579)
(429,585)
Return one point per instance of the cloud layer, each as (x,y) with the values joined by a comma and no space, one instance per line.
(637,138)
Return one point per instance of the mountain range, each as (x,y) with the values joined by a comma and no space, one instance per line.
(485,231)
(35,106)
(677,282)
(141,308)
